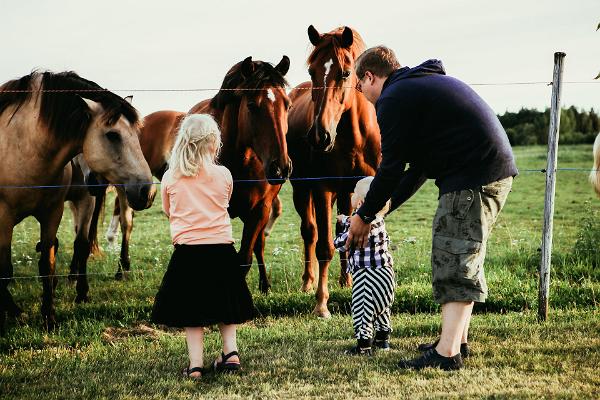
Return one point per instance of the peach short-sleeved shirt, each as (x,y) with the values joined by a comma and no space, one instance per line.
(197,206)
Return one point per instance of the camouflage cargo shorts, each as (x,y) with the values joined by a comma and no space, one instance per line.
(461,227)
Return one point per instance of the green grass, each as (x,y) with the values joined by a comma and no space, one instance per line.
(300,357)
(287,352)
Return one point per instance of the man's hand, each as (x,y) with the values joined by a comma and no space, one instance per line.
(358,233)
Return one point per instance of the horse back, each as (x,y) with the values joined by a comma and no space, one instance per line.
(158,136)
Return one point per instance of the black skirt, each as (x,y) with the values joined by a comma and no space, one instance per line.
(204,285)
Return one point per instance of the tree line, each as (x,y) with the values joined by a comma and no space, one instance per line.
(530,126)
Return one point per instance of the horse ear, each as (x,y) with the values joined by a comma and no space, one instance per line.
(347,37)
(313,35)
(92,105)
(284,65)
(247,67)
(129,99)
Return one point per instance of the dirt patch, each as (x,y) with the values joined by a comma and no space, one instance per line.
(112,334)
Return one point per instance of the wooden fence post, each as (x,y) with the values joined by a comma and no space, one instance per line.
(550,188)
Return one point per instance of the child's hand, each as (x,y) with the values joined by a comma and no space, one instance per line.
(340,218)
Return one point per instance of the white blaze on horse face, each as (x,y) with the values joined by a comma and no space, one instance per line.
(327,68)
(271,95)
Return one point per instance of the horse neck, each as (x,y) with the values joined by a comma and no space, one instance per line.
(362,119)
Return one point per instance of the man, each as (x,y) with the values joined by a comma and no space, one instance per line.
(441,129)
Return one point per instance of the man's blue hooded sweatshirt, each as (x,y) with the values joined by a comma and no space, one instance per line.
(442,129)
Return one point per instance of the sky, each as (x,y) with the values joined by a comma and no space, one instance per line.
(127,45)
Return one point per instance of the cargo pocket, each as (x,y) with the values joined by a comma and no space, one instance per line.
(455,261)
(462,203)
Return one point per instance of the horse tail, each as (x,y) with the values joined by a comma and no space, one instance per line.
(595,173)
(93,234)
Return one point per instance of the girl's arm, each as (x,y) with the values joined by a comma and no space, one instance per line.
(166,205)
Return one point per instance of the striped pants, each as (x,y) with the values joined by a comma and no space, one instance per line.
(372,296)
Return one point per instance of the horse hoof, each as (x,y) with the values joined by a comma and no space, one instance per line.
(14,311)
(345,281)
(264,287)
(82,299)
(50,324)
(322,312)
(307,287)
(119,276)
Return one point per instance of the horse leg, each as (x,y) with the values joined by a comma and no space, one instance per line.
(7,304)
(47,263)
(344,206)
(259,250)
(82,246)
(276,210)
(113,227)
(249,235)
(308,229)
(324,250)
(73,267)
(126,227)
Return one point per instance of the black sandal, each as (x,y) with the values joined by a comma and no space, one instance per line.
(224,366)
(187,372)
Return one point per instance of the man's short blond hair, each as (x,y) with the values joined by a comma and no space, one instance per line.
(380,60)
(360,192)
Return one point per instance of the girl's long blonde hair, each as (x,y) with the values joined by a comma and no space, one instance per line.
(197,145)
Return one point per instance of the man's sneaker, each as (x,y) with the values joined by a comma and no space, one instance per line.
(363,348)
(432,359)
(382,340)
(465,352)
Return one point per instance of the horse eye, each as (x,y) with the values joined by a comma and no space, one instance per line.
(113,136)
(346,74)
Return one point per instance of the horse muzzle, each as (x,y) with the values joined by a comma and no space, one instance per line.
(140,195)
(277,173)
(320,139)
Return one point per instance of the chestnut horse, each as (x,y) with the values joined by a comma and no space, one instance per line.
(251,109)
(156,140)
(333,132)
(46,119)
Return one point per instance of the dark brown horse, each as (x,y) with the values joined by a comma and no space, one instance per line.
(333,132)
(156,140)
(251,109)
(42,129)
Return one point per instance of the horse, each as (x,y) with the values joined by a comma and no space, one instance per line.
(85,197)
(46,119)
(595,173)
(157,137)
(251,109)
(333,132)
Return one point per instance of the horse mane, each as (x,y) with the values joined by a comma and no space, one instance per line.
(62,108)
(333,40)
(235,84)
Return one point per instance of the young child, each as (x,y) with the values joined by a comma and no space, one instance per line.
(204,283)
(373,278)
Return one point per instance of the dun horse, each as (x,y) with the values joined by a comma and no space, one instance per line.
(333,132)
(252,109)
(46,119)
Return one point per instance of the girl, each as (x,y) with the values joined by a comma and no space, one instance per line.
(204,283)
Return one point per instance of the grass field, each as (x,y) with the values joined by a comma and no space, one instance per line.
(107,348)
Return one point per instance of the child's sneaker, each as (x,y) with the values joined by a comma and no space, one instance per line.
(382,340)
(363,348)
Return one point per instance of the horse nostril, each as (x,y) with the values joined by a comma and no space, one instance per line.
(326,139)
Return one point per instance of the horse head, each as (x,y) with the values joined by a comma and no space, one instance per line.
(331,70)
(262,113)
(111,149)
